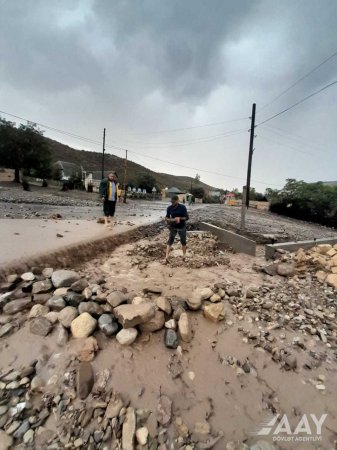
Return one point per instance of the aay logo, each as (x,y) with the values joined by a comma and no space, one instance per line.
(308,429)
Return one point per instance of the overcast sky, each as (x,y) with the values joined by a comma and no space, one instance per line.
(146,69)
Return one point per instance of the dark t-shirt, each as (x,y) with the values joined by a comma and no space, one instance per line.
(177,211)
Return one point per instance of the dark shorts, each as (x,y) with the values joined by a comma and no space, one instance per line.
(173,234)
(109,208)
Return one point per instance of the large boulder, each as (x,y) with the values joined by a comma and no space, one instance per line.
(131,315)
(215,312)
(41,287)
(64,278)
(84,380)
(197,298)
(17,305)
(40,326)
(127,336)
(116,298)
(185,329)
(67,315)
(156,323)
(83,326)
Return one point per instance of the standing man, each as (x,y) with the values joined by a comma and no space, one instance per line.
(108,191)
(176,217)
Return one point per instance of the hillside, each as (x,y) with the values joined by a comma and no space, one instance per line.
(92,161)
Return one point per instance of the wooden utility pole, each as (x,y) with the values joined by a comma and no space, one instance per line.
(125,172)
(243,209)
(103,153)
(250,155)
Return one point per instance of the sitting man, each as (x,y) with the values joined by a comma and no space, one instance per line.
(176,217)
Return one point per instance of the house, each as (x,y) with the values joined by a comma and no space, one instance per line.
(65,171)
(175,191)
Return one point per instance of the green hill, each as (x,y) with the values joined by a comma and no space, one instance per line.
(92,161)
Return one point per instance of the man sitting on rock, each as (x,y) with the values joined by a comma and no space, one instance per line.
(176,217)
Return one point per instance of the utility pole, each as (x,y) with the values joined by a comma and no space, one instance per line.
(125,171)
(250,155)
(103,153)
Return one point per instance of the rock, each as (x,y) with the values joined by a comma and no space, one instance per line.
(87,352)
(116,298)
(321,276)
(52,316)
(41,299)
(73,298)
(61,335)
(16,306)
(114,407)
(324,248)
(107,324)
(83,326)
(132,315)
(215,312)
(36,384)
(84,380)
(92,308)
(286,269)
(129,429)
(87,293)
(27,287)
(40,326)
(142,435)
(139,300)
(262,445)
(42,287)
(215,298)
(197,298)
(64,278)
(13,279)
(171,324)
(127,336)
(28,276)
(164,410)
(331,279)
(47,272)
(38,310)
(28,437)
(61,292)
(23,428)
(5,329)
(56,303)
(6,441)
(156,323)
(185,328)
(80,285)
(290,362)
(152,290)
(78,443)
(164,304)
(67,315)
(171,339)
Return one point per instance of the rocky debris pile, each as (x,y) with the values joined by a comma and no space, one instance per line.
(204,250)
(65,304)
(84,411)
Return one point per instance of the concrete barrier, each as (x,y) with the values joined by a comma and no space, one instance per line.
(238,243)
(270,249)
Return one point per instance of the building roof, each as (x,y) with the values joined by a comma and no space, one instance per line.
(175,190)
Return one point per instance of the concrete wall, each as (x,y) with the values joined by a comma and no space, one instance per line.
(237,242)
(270,249)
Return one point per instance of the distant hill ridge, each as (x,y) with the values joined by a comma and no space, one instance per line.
(92,161)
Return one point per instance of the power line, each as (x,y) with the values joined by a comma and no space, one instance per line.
(212,124)
(299,80)
(299,140)
(132,151)
(297,103)
(285,145)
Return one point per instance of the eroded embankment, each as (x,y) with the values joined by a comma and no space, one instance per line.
(79,253)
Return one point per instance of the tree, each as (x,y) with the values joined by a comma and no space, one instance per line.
(198,192)
(146,181)
(24,148)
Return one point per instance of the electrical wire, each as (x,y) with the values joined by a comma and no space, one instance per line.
(285,145)
(297,103)
(299,80)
